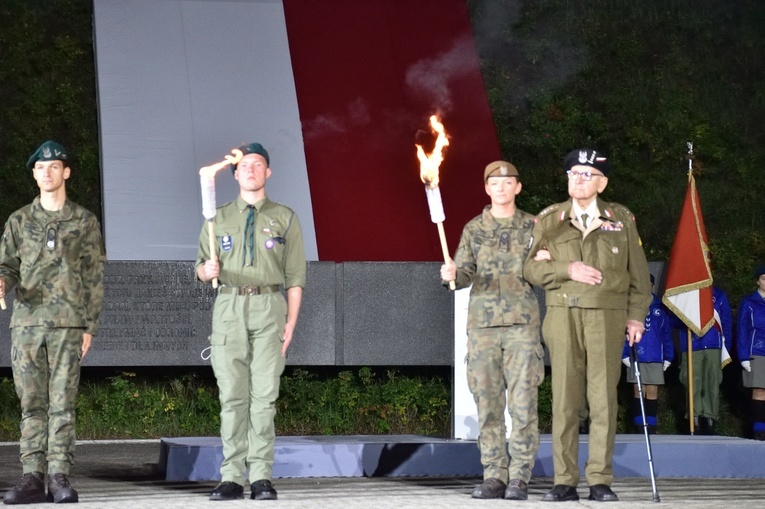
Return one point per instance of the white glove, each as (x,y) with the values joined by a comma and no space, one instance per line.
(626,361)
(666,365)
(747,366)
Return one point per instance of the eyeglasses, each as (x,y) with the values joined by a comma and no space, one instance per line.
(585,175)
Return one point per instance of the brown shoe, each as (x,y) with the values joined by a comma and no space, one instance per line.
(516,490)
(30,490)
(490,488)
(60,491)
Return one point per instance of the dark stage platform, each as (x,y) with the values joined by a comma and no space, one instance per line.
(198,458)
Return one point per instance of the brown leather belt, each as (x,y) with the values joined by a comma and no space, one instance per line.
(249,290)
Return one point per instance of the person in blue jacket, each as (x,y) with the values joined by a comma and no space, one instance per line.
(710,356)
(751,349)
(655,353)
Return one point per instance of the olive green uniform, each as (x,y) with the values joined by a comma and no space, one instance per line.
(55,260)
(584,326)
(247,326)
(505,363)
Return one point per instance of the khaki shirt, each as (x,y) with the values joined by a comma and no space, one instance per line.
(56,261)
(490,256)
(278,246)
(610,244)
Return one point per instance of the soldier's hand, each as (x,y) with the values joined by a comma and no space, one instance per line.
(635,330)
(449,270)
(582,273)
(289,329)
(87,339)
(542,255)
(2,288)
(212,269)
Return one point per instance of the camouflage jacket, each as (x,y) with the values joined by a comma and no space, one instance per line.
(56,262)
(610,244)
(490,257)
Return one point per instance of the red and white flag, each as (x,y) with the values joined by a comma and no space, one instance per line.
(688,291)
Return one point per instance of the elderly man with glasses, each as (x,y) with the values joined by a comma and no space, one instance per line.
(588,257)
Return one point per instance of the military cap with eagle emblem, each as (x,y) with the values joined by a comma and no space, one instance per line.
(48,151)
(499,169)
(586,157)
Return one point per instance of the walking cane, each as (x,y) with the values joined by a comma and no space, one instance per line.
(654,490)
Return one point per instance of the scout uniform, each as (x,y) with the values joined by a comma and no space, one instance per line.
(505,361)
(655,353)
(750,348)
(260,251)
(710,356)
(55,260)
(584,326)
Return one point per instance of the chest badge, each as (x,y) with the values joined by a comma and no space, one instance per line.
(50,243)
(226,243)
(615,250)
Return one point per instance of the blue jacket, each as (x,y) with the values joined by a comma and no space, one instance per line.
(656,343)
(751,327)
(713,338)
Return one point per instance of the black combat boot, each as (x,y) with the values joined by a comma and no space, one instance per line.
(60,491)
(262,490)
(490,488)
(30,490)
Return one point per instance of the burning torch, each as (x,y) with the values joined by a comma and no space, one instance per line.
(207,181)
(429,164)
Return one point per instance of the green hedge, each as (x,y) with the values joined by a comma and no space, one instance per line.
(312,402)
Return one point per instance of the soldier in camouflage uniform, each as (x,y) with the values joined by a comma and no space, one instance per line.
(52,252)
(259,250)
(505,361)
(588,257)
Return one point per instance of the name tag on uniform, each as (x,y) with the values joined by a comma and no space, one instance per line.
(226,243)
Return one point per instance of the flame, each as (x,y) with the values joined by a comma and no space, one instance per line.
(210,171)
(429,163)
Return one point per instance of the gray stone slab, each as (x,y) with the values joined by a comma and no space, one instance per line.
(314,342)
(396,314)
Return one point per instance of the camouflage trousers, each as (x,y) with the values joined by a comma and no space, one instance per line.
(505,366)
(46,373)
(247,361)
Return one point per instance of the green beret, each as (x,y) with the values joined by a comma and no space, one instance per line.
(48,151)
(253,148)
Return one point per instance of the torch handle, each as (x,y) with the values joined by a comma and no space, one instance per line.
(213,256)
(445,249)
(2,303)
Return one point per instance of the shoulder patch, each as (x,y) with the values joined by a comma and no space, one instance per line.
(548,210)
(622,210)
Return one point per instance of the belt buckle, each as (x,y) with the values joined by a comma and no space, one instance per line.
(250,290)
